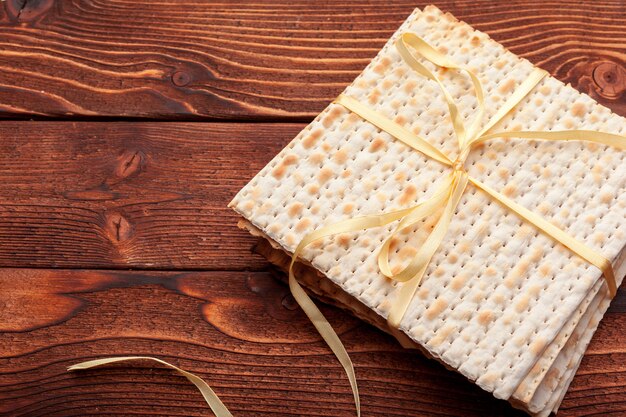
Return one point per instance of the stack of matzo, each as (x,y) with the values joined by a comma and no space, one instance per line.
(500,303)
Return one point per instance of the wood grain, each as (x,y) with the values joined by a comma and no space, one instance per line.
(119,195)
(263,60)
(242,333)
(103,197)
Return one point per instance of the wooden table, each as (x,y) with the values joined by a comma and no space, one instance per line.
(129,125)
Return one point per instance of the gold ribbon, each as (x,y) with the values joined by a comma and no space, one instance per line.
(446,198)
(219,409)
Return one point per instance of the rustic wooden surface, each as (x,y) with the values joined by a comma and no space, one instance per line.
(83,201)
(243,333)
(264,59)
(126,194)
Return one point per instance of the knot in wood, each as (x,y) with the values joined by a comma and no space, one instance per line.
(117,227)
(27,11)
(610,78)
(181,78)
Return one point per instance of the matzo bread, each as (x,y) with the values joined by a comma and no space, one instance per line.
(497,293)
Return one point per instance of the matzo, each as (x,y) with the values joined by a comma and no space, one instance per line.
(498,294)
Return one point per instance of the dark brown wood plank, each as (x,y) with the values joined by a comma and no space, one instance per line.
(264,59)
(119,195)
(243,333)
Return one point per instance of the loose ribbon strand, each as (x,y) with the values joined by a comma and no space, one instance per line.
(218,408)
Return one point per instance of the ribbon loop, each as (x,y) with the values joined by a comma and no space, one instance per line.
(520,93)
(427,250)
(417,214)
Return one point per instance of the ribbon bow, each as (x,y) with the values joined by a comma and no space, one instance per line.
(446,197)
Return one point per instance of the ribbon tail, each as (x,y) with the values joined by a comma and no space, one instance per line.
(580,249)
(402,301)
(308,306)
(211,398)
(327,332)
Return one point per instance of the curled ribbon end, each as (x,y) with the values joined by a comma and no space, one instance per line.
(612,288)
(212,400)
(609,274)
(393,321)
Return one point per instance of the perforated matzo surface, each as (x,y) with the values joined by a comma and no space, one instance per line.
(497,293)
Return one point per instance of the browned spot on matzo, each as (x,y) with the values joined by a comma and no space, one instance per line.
(408,194)
(324,175)
(436,308)
(578,109)
(294,209)
(312,137)
(280,169)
